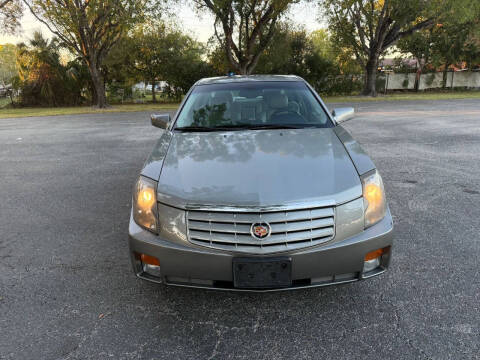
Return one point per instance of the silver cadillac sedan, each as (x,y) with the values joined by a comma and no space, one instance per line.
(254,186)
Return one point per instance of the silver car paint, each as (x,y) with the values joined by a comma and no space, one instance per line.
(153,164)
(339,260)
(182,260)
(359,157)
(257,168)
(250,78)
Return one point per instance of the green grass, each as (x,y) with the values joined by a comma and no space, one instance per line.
(27,112)
(4,101)
(447,95)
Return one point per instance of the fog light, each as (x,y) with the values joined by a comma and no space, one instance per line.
(150,264)
(372,259)
(147,259)
(370,265)
(153,270)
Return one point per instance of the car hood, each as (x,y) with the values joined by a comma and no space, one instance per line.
(262,168)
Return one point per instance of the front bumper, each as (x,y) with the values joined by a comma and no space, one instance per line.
(336,263)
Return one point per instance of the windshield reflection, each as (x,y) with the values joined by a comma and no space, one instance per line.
(241,146)
(261,103)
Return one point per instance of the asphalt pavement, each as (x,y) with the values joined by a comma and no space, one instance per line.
(67,290)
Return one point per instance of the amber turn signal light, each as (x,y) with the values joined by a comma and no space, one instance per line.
(147,259)
(376,253)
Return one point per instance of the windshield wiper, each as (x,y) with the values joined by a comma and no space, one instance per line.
(241,126)
(196,128)
(211,128)
(271,126)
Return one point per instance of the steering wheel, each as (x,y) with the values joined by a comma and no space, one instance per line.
(287,116)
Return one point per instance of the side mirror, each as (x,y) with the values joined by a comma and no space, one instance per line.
(343,114)
(160,120)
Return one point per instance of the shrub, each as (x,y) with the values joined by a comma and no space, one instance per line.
(43,80)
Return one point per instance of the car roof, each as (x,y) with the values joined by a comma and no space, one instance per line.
(247,78)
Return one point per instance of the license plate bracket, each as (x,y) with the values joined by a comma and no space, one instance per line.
(262,273)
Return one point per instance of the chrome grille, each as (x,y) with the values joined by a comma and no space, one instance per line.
(290,230)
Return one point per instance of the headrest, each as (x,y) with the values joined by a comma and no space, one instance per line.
(224,97)
(250,93)
(275,99)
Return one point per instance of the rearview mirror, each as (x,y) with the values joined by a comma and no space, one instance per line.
(160,120)
(343,114)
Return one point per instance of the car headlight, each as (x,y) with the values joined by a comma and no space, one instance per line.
(374,201)
(145,203)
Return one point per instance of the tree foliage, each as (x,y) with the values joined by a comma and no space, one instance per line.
(166,54)
(7,63)
(154,52)
(42,78)
(186,64)
(451,42)
(294,51)
(444,45)
(322,44)
(341,56)
(371,27)
(11,12)
(245,28)
(90,28)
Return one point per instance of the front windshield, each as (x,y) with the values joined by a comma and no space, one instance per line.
(251,104)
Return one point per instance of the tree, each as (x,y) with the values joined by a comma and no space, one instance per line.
(153,52)
(445,44)
(294,51)
(246,28)
(449,45)
(185,63)
(217,58)
(322,44)
(11,12)
(420,46)
(331,51)
(7,63)
(89,28)
(164,53)
(42,78)
(472,47)
(371,27)
(118,68)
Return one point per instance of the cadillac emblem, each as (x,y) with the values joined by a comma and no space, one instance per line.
(260,230)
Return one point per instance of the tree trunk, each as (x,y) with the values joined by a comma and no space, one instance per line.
(154,96)
(99,86)
(242,69)
(93,92)
(445,74)
(418,77)
(371,78)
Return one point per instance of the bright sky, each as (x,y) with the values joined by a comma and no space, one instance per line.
(200,27)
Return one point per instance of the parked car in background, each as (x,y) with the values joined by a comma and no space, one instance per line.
(255,185)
